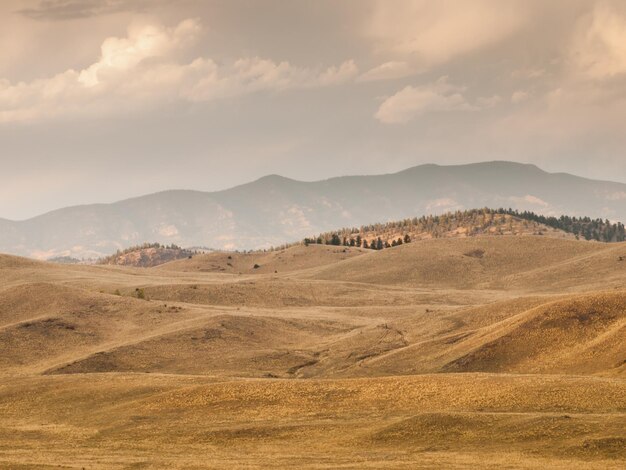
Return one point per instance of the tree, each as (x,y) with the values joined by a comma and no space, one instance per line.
(365,245)
(379,244)
(407,238)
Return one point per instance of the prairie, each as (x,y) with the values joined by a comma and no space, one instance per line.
(493,352)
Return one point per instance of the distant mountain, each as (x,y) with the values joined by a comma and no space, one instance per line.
(274,210)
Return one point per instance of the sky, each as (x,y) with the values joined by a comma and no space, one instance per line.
(104,100)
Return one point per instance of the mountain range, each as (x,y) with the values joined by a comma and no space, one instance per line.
(274,210)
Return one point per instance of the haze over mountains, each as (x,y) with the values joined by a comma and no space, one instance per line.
(274,209)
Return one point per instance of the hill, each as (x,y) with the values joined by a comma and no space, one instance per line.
(322,310)
(486,262)
(581,335)
(293,258)
(274,210)
(449,352)
(470,223)
(147,255)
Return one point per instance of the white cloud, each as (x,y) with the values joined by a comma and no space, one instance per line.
(335,75)
(209,81)
(387,71)
(411,102)
(430,33)
(141,69)
(143,41)
(599,48)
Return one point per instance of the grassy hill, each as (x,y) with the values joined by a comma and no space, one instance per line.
(147,255)
(520,263)
(471,223)
(501,350)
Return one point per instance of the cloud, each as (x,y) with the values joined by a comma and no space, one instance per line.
(141,70)
(411,102)
(519,96)
(427,33)
(143,42)
(210,81)
(599,49)
(57,10)
(387,71)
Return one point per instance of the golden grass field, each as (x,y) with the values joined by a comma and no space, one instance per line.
(483,352)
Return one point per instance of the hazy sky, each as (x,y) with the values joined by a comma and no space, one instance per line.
(102,100)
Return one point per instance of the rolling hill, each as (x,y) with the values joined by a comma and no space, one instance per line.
(453,352)
(146,255)
(274,210)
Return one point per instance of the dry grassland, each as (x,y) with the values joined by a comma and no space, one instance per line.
(486,352)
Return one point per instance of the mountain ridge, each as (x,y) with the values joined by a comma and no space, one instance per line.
(276,176)
(274,209)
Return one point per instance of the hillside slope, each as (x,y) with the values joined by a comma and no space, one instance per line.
(326,311)
(581,335)
(291,259)
(522,263)
(147,255)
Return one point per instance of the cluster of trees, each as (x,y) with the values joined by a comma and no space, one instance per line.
(376,243)
(473,222)
(383,235)
(171,251)
(582,227)
(145,246)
